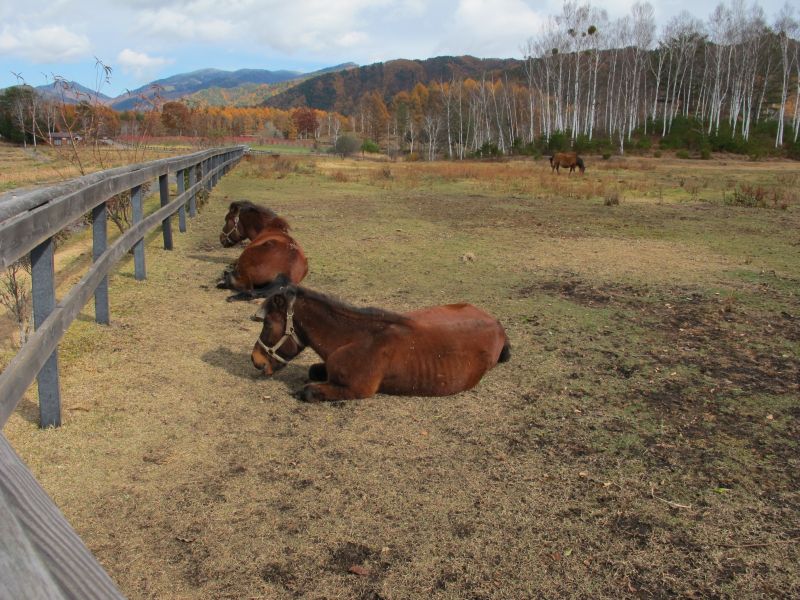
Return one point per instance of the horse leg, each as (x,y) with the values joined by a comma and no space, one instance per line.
(343,381)
(240,296)
(318,372)
(330,392)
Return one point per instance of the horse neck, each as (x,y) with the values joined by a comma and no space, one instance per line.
(326,327)
(254,223)
(251,225)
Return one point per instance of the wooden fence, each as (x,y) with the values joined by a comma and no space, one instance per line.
(40,554)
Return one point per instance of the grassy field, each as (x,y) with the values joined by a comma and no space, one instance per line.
(643,441)
(47,165)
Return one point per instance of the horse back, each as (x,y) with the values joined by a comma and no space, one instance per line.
(271,253)
(442,350)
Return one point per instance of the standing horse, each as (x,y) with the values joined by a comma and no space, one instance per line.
(271,252)
(566,159)
(431,352)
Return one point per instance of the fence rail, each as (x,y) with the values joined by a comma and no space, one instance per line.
(41,556)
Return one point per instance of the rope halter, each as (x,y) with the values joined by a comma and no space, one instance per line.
(289,332)
(235,228)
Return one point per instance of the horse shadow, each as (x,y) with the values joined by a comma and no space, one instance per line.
(221,260)
(238,364)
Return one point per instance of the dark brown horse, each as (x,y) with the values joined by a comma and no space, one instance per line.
(431,352)
(272,250)
(566,159)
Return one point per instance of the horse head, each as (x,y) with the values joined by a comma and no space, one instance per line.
(278,342)
(581,166)
(232,232)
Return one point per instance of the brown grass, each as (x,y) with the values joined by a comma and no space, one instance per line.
(641,442)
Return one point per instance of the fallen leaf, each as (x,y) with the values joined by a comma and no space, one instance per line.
(358,570)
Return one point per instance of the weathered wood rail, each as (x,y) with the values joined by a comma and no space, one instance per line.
(41,556)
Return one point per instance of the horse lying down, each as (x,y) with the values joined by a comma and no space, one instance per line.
(430,352)
(271,250)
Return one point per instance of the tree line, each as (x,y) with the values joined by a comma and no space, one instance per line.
(731,82)
(593,83)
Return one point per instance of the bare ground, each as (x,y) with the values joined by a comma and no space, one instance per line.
(641,443)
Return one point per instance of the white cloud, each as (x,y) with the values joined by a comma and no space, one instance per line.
(176,24)
(491,28)
(309,26)
(139,64)
(46,44)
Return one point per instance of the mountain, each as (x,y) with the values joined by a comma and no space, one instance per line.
(72,93)
(215,86)
(253,94)
(342,90)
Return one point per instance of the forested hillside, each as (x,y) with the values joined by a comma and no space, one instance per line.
(731,82)
(342,91)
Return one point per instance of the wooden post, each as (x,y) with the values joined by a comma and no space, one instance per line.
(180,177)
(44,301)
(99,244)
(166,224)
(140,272)
(193,197)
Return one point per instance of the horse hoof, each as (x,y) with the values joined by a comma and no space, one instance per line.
(307,395)
(221,284)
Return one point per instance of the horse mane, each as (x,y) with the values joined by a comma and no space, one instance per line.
(269,215)
(246,205)
(279,223)
(343,309)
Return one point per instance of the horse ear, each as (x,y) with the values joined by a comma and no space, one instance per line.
(261,313)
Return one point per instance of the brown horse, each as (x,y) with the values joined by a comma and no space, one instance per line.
(566,159)
(246,220)
(272,250)
(431,352)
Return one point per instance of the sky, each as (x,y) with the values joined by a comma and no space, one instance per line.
(145,40)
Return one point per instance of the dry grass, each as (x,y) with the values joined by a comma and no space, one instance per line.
(23,168)
(642,442)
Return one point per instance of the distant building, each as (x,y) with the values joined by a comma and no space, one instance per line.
(59,138)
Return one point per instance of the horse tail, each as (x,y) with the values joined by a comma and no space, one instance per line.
(505,353)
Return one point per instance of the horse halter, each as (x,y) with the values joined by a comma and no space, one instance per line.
(288,332)
(234,228)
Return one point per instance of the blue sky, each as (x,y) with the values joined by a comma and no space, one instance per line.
(143,40)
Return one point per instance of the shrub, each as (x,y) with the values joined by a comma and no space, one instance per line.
(682,154)
(612,198)
(751,196)
(606,155)
(347,144)
(705,154)
(370,146)
(657,154)
(488,150)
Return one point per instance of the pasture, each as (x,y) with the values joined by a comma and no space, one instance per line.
(642,442)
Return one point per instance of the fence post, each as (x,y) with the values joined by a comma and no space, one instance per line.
(139,270)
(166,224)
(180,178)
(99,244)
(193,197)
(44,301)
